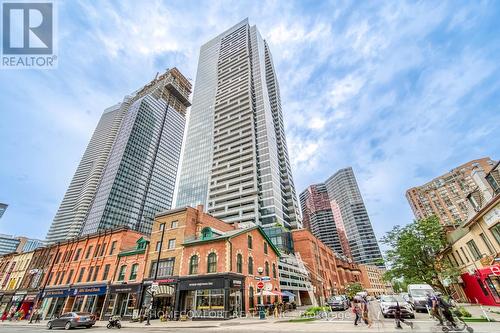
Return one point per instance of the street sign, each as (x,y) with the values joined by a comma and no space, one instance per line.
(260,285)
(265,278)
(268,287)
(256,278)
(154,287)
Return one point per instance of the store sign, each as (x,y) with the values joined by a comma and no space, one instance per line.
(97,290)
(56,293)
(236,283)
(125,289)
(495,270)
(201,284)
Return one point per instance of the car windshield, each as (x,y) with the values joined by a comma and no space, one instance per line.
(336,298)
(420,292)
(392,298)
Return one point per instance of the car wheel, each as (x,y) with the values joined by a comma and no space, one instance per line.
(385,316)
(412,316)
(119,325)
(67,326)
(49,325)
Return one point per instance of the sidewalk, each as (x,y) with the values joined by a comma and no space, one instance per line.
(493,312)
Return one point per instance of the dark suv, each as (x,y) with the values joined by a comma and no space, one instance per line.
(71,320)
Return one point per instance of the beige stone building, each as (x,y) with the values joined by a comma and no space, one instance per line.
(446,195)
(372,280)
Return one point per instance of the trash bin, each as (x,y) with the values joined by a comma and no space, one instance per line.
(262,312)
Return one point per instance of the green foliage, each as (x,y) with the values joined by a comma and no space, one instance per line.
(314,310)
(414,253)
(462,312)
(353,288)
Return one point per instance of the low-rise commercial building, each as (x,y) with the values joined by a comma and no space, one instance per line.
(330,272)
(203,267)
(474,249)
(82,270)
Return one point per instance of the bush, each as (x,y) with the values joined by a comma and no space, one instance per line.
(461,312)
(314,310)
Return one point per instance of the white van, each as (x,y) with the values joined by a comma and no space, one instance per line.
(417,294)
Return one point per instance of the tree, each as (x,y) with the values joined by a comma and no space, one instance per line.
(413,253)
(353,288)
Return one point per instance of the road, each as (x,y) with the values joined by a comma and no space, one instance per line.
(340,321)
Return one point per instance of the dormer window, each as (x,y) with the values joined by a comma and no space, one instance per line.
(206,233)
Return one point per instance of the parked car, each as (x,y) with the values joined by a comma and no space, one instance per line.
(71,320)
(388,304)
(338,303)
(418,295)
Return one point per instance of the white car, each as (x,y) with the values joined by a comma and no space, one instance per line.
(388,304)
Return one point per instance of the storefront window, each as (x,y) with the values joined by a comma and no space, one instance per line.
(131,304)
(77,304)
(111,305)
(210,299)
(89,305)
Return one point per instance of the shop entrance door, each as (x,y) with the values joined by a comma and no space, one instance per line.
(56,307)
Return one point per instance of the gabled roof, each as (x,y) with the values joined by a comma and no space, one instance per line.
(231,234)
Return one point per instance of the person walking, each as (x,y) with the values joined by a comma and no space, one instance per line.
(398,318)
(433,307)
(366,312)
(356,309)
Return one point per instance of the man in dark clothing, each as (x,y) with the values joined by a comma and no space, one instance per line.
(446,310)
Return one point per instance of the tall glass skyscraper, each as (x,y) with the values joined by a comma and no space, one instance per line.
(139,178)
(235,158)
(129,168)
(347,204)
(75,205)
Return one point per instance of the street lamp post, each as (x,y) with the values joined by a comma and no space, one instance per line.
(262,316)
(156,275)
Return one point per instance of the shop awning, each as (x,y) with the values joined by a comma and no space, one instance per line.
(287,293)
(267,293)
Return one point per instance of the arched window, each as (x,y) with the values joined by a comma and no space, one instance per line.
(249,240)
(193,265)
(265,248)
(266,265)
(250,265)
(134,271)
(251,298)
(274,270)
(212,263)
(239,263)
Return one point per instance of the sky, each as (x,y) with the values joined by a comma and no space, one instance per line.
(401,91)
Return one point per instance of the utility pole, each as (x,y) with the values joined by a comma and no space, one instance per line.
(162,226)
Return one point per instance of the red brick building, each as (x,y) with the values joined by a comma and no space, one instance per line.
(82,269)
(210,267)
(329,273)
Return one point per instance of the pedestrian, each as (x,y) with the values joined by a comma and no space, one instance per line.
(356,309)
(398,317)
(365,312)
(433,307)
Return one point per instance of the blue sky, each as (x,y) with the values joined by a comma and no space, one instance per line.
(401,91)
